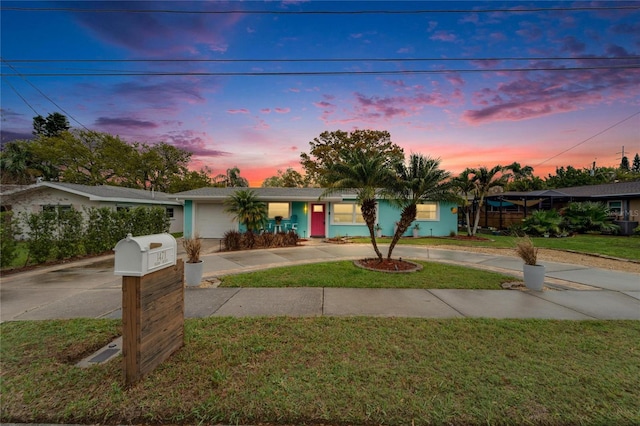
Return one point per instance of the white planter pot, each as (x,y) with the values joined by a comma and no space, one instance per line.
(193,273)
(534,276)
(416,233)
(378,233)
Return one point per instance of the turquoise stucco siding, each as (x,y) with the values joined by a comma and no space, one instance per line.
(188,219)
(388,214)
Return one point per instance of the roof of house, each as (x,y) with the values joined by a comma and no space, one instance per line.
(98,193)
(607,190)
(273,194)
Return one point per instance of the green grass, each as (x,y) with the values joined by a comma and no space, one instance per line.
(608,245)
(346,274)
(333,371)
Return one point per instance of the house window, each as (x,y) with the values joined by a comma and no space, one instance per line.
(278,209)
(347,213)
(615,208)
(170,212)
(56,208)
(427,211)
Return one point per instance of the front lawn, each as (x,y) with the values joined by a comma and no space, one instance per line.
(333,371)
(608,245)
(346,274)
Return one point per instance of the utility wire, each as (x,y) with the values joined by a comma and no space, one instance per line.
(318,12)
(6,80)
(566,58)
(311,73)
(45,96)
(589,138)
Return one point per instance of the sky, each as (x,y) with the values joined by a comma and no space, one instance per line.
(250,84)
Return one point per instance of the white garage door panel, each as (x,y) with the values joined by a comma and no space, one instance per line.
(212,222)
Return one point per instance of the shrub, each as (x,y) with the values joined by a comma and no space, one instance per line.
(543,222)
(40,234)
(232,240)
(68,233)
(9,228)
(248,240)
(588,216)
(101,233)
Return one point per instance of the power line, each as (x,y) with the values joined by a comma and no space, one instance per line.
(589,138)
(319,12)
(45,96)
(6,80)
(310,73)
(555,58)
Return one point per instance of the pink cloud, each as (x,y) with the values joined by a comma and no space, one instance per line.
(238,111)
(265,110)
(443,36)
(551,92)
(194,142)
(282,110)
(124,122)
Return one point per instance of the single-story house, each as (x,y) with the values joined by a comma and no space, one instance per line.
(302,209)
(46,195)
(621,198)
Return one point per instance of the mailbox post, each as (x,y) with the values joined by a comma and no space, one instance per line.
(152,301)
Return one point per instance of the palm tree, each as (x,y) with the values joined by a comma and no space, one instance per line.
(420,180)
(464,188)
(362,172)
(232,179)
(484,179)
(246,208)
(15,163)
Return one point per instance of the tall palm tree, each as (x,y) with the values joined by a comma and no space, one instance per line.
(464,188)
(364,173)
(247,209)
(419,180)
(484,179)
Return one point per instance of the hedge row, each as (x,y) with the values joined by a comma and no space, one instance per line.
(62,234)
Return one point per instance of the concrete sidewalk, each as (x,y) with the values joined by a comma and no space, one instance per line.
(89,289)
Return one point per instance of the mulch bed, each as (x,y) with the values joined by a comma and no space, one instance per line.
(388,265)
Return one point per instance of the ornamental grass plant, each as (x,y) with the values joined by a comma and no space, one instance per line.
(527,251)
(192,246)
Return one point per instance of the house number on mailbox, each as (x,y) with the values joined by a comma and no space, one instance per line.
(159,258)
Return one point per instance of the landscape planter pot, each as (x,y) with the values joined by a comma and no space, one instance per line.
(378,233)
(534,276)
(193,273)
(416,233)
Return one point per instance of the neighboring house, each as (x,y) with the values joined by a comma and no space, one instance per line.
(302,209)
(46,195)
(622,199)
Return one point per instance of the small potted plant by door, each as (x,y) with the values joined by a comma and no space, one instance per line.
(193,269)
(378,229)
(533,272)
(416,230)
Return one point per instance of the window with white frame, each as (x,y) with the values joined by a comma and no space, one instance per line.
(278,209)
(615,208)
(56,208)
(427,211)
(347,214)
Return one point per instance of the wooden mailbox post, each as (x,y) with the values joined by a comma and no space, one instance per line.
(152,302)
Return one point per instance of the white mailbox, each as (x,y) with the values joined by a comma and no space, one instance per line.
(139,256)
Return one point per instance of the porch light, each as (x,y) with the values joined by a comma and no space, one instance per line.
(304,208)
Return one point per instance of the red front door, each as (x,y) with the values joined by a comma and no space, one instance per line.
(317,220)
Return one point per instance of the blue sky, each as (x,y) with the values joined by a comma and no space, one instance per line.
(474,83)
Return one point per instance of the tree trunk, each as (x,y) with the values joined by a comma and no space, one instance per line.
(368,209)
(477,219)
(407,216)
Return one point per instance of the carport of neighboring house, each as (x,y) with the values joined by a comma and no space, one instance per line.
(303,210)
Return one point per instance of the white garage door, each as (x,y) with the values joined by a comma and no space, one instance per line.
(211,221)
